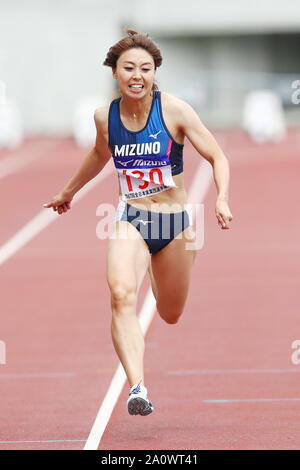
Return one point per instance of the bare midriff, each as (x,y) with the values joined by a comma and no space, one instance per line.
(170,200)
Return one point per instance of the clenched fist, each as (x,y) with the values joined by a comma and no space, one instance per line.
(223,214)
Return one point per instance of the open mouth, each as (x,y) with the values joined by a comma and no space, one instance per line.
(136,87)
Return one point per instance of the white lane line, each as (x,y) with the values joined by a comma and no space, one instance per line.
(231,371)
(118,381)
(250,400)
(199,187)
(37,375)
(21,158)
(201,183)
(54,440)
(106,409)
(44,218)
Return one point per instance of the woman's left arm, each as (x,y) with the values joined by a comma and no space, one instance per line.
(204,142)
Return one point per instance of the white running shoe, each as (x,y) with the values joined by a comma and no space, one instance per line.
(138,403)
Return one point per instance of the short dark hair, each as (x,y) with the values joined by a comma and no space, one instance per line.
(133,40)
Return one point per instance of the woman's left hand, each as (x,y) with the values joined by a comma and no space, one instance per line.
(223,213)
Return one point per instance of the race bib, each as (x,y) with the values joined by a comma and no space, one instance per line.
(142,182)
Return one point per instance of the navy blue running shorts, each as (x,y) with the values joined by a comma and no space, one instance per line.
(158,229)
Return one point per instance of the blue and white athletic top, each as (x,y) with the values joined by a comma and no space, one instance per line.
(146,160)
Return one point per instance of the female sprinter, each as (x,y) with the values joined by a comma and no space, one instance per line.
(144,131)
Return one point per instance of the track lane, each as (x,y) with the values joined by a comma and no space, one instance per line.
(56,320)
(23,192)
(242,313)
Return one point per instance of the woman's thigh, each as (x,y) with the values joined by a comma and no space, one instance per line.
(170,271)
(128,257)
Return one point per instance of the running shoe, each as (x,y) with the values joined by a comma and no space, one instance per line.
(138,403)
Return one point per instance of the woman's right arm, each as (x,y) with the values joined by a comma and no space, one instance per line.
(93,163)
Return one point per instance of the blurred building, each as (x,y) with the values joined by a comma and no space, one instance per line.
(215,53)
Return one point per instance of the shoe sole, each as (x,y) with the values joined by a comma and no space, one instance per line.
(139,406)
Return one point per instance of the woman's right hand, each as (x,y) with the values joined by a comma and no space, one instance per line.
(61,202)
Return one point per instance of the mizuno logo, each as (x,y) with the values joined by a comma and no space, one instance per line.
(132,150)
(145,163)
(149,162)
(125,163)
(137,389)
(144,222)
(155,135)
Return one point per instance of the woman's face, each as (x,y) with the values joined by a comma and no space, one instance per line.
(135,67)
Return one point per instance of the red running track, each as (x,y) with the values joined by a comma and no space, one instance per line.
(222,378)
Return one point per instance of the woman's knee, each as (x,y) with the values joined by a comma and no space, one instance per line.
(122,293)
(171,320)
(169,316)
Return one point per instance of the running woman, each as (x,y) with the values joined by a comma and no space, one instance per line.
(143,131)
